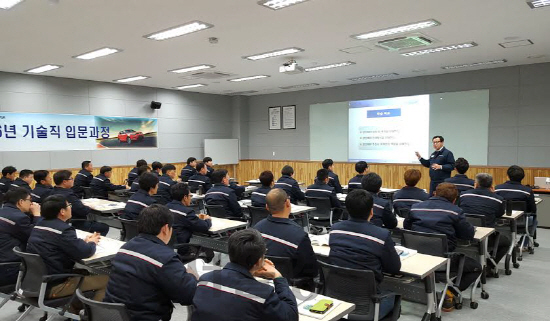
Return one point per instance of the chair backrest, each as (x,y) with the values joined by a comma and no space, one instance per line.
(33,270)
(515,206)
(426,243)
(216,211)
(403,212)
(130,228)
(322,205)
(87,191)
(257,214)
(476,219)
(159,199)
(103,311)
(284,265)
(350,285)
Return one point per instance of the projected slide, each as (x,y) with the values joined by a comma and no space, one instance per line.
(389,130)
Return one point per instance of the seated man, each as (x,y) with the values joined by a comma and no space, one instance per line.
(15,228)
(135,184)
(43,187)
(222,194)
(147,276)
(133,174)
(148,186)
(59,247)
(200,179)
(83,178)
(284,237)
(189,170)
(63,186)
(409,194)
(101,184)
(24,180)
(461,181)
(156,168)
(208,162)
(233,294)
(258,196)
(358,244)
(361,168)
(290,185)
(383,215)
(328,164)
(8,176)
(322,189)
(166,181)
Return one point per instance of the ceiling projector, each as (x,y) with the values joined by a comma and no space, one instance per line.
(291,68)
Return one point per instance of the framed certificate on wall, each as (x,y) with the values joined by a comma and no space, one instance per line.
(289,117)
(274,118)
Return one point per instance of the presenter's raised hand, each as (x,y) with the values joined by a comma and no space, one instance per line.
(418,155)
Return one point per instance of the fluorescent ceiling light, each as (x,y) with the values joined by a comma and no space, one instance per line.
(135,78)
(475,64)
(184,29)
(279,4)
(300,86)
(42,69)
(336,65)
(194,68)
(248,78)
(440,49)
(7,4)
(97,53)
(538,3)
(398,29)
(275,53)
(374,76)
(190,86)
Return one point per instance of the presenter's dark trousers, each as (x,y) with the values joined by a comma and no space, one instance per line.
(433,186)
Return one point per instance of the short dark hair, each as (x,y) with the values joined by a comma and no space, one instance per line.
(461,165)
(148,181)
(85,164)
(190,160)
(287,170)
(207,159)
(142,169)
(412,176)
(105,169)
(200,166)
(8,170)
(25,173)
(218,175)
(371,182)
(322,174)
(361,166)
(246,247)
(266,178)
(40,175)
(15,195)
(168,167)
(447,190)
(141,162)
(327,163)
(52,205)
(440,138)
(484,180)
(151,219)
(61,176)
(178,191)
(156,165)
(359,204)
(515,173)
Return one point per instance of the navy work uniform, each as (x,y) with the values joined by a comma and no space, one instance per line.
(199,180)
(334,181)
(291,187)
(443,157)
(82,179)
(165,185)
(147,277)
(285,238)
(101,186)
(4,184)
(186,221)
(322,190)
(221,194)
(461,182)
(137,202)
(355,183)
(238,189)
(515,191)
(18,182)
(382,213)
(258,196)
(187,172)
(134,187)
(132,175)
(40,192)
(233,294)
(209,171)
(407,196)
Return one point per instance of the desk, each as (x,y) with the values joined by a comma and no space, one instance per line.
(216,238)
(543,207)
(105,250)
(222,225)
(104,206)
(512,219)
(295,210)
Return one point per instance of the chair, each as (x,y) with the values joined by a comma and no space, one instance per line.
(87,192)
(286,267)
(6,291)
(216,211)
(102,311)
(404,212)
(322,216)
(257,214)
(358,287)
(159,199)
(129,229)
(522,226)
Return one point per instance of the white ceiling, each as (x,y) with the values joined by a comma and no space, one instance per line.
(36,32)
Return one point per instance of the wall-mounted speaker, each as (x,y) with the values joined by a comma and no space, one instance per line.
(155,105)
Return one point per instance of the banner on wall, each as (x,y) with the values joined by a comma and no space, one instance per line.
(34,132)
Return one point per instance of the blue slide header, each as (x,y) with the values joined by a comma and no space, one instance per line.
(396,112)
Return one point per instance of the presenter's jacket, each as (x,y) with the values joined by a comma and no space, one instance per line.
(514,191)
(40,192)
(165,185)
(199,180)
(438,215)
(291,187)
(82,179)
(79,210)
(232,294)
(147,277)
(285,238)
(132,175)
(186,221)
(187,172)
(258,196)
(101,186)
(4,184)
(15,229)
(382,213)
(58,246)
(223,195)
(483,201)
(334,181)
(359,244)
(442,157)
(322,190)
(137,202)
(407,196)
(18,182)
(134,187)
(355,183)
(209,171)
(239,190)
(462,182)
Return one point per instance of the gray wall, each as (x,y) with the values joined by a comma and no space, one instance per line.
(184,120)
(519,112)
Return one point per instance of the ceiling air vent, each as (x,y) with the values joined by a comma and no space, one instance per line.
(207,75)
(403,43)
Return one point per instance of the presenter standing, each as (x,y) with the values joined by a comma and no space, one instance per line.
(441,163)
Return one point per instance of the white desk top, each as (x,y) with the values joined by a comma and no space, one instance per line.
(515,215)
(105,250)
(220,225)
(250,188)
(253,181)
(538,200)
(195,196)
(383,189)
(480,234)
(103,206)
(295,209)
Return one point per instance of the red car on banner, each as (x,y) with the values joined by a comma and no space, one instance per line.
(129,136)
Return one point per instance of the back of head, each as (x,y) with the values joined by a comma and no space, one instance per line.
(322,174)
(327,163)
(168,167)
(148,181)
(25,173)
(447,190)
(85,164)
(8,170)
(151,219)
(156,166)
(40,175)
(361,167)
(142,169)
(359,204)
(218,176)
(412,176)
(52,205)
(462,165)
(105,169)
(190,160)
(141,162)
(266,178)
(246,247)
(13,196)
(200,166)
(179,191)
(371,182)
(484,180)
(515,173)
(207,159)
(275,200)
(61,176)
(287,170)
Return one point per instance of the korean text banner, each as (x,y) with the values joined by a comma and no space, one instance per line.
(36,132)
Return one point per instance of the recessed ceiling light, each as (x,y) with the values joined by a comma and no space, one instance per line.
(275,53)
(374,77)
(7,4)
(398,29)
(519,43)
(194,68)
(475,64)
(97,53)
(42,69)
(181,30)
(536,57)
(248,78)
(130,79)
(191,86)
(279,4)
(336,65)
(300,86)
(538,3)
(236,93)
(440,49)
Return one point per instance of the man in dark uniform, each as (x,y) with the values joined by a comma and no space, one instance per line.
(83,178)
(166,181)
(148,186)
(200,179)
(24,180)
(461,181)
(322,189)
(361,168)
(334,181)
(441,163)
(189,170)
(383,215)
(258,196)
(290,185)
(8,176)
(409,195)
(43,187)
(222,194)
(101,184)
(208,161)
(133,174)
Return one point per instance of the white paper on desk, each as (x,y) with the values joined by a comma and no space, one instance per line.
(245,202)
(404,253)
(304,307)
(200,267)
(320,240)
